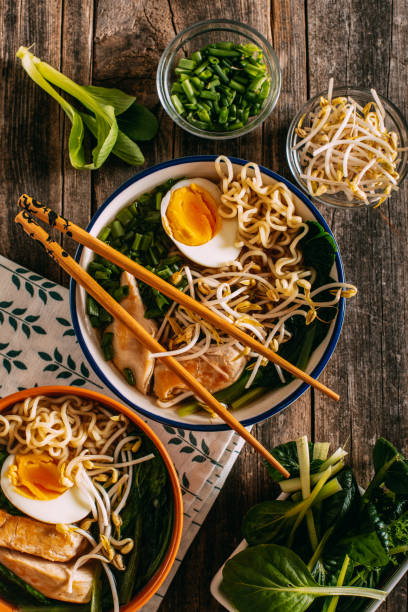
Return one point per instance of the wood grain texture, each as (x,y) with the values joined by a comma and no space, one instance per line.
(31,123)
(369,365)
(119,43)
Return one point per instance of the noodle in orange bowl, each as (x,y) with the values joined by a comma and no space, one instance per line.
(30,406)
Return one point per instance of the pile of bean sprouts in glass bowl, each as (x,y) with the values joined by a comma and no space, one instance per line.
(347,147)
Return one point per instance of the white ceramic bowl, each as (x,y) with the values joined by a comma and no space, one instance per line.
(259,410)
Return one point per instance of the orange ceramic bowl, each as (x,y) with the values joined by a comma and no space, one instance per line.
(153,585)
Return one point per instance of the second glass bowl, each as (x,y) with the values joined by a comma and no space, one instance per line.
(394,121)
(198,36)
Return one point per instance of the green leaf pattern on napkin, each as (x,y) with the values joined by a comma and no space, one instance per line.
(38,347)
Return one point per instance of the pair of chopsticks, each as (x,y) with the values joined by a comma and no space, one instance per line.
(33,207)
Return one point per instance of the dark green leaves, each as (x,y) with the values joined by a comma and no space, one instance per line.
(319,251)
(267,522)
(287,456)
(391,465)
(138,123)
(336,508)
(365,550)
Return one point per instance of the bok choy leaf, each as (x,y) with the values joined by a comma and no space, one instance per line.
(104,105)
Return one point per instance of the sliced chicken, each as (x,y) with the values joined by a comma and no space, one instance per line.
(51,579)
(228,367)
(41,539)
(128,352)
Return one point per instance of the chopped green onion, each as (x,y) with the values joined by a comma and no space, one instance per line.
(188,90)
(186,64)
(92,307)
(124,216)
(105,233)
(178,105)
(117,229)
(197,57)
(130,377)
(238,86)
(159,197)
(121,292)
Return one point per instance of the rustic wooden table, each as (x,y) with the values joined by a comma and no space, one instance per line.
(119,42)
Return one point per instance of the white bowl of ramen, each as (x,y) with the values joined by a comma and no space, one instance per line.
(265,406)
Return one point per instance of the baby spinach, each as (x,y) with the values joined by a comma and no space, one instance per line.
(363,534)
(269,521)
(319,251)
(391,467)
(271,578)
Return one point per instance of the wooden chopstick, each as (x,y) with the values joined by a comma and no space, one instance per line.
(83,237)
(115,309)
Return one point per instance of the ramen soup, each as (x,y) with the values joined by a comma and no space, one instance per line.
(241,249)
(85,505)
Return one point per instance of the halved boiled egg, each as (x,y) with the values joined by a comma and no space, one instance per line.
(32,484)
(190,216)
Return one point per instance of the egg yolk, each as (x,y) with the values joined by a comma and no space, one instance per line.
(192,215)
(36,477)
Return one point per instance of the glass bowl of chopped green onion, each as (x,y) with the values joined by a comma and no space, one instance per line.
(219,79)
(348,148)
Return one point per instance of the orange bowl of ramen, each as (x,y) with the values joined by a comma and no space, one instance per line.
(71,424)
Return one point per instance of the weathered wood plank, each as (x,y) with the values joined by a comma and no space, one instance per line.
(369,365)
(31,125)
(127,50)
(77,41)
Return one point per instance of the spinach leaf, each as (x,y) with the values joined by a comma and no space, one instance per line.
(364,549)
(287,456)
(319,251)
(271,578)
(340,508)
(138,122)
(390,466)
(265,578)
(267,522)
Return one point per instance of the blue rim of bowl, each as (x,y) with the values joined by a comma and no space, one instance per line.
(197,426)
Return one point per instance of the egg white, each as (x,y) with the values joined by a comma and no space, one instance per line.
(220,250)
(71,506)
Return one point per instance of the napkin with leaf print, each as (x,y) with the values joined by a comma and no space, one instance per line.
(38,347)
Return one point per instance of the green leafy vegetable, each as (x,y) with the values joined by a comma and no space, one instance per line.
(138,123)
(271,578)
(105,104)
(339,535)
(319,251)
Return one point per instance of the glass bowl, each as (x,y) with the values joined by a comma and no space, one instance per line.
(394,121)
(198,36)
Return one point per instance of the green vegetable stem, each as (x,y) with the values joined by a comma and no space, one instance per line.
(114,119)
